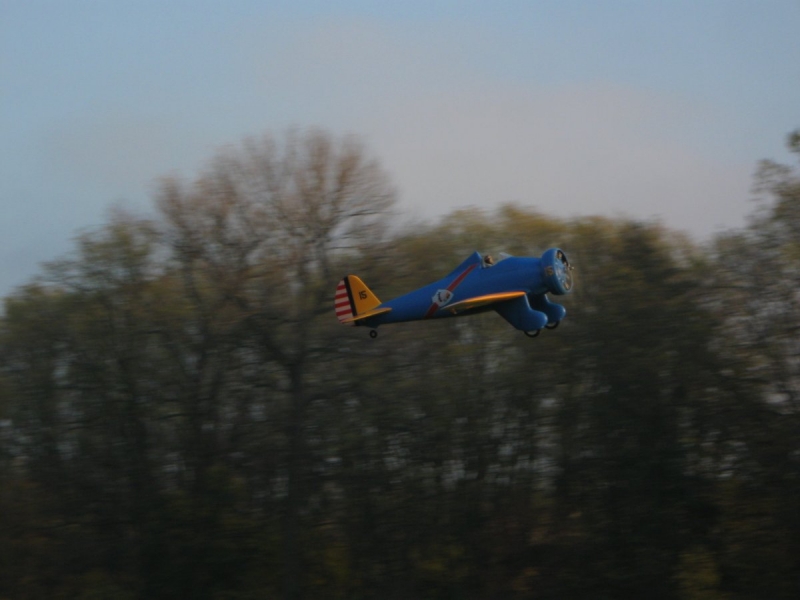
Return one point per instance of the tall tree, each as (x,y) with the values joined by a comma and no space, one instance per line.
(259,234)
(757,278)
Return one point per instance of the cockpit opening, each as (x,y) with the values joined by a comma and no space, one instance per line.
(490,261)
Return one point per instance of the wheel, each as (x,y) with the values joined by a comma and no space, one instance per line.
(373,334)
(552,325)
(532,334)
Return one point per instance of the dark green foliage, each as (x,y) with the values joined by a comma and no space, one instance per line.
(182,417)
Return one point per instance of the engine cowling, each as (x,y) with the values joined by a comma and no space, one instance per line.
(556,272)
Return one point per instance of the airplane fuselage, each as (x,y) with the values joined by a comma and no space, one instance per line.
(515,287)
(472,278)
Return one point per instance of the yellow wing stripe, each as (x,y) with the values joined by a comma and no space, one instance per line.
(479,301)
(367,315)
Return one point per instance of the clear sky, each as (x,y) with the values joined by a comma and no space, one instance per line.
(648,109)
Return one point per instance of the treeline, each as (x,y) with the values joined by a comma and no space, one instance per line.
(181,416)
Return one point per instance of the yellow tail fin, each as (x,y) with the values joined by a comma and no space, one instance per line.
(353,298)
(363,298)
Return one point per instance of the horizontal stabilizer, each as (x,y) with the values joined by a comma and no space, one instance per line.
(370,313)
(479,301)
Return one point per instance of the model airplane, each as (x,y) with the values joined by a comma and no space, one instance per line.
(515,287)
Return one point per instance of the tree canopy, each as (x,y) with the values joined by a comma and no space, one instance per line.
(182,416)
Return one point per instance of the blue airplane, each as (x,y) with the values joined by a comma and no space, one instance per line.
(515,287)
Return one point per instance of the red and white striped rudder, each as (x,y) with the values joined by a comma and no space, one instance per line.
(343,303)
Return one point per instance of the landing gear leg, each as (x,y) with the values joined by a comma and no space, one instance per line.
(373,333)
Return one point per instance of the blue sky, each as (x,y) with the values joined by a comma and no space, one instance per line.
(653,110)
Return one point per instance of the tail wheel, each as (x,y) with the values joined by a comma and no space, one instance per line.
(373,333)
(532,334)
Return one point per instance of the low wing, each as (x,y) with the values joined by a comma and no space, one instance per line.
(366,315)
(479,301)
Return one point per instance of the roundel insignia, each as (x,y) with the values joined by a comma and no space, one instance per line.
(442,297)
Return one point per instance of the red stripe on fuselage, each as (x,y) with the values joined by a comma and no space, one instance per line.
(453,285)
